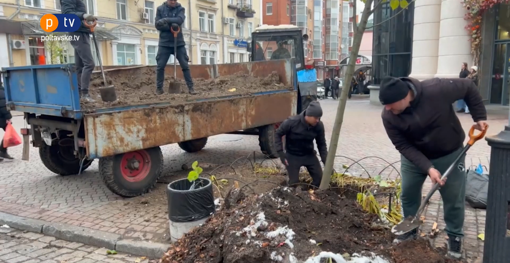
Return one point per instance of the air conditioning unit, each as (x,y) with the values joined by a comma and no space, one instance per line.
(145,15)
(225,20)
(18,44)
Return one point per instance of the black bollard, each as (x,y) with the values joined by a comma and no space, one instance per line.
(497,244)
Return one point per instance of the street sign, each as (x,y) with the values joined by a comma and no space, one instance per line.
(240,43)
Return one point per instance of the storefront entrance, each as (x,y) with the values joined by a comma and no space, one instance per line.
(500,87)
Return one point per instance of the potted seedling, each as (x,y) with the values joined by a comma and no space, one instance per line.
(190,202)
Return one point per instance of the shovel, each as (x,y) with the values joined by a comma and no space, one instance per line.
(108,91)
(411,223)
(174,85)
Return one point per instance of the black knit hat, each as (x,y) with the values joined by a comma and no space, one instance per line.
(314,110)
(392,90)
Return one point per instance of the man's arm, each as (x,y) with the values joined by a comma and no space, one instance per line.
(456,89)
(321,142)
(280,132)
(161,24)
(406,149)
(179,19)
(68,7)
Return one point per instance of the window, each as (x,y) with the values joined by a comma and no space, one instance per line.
(210,20)
(232,58)
(203,57)
(126,54)
(33,3)
(241,29)
(269,52)
(121,10)
(269,9)
(231,2)
(37,51)
(241,57)
(201,22)
(288,11)
(57,5)
(149,9)
(90,6)
(212,57)
(232,26)
(250,28)
(151,55)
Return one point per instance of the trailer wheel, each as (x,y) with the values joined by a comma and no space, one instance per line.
(267,135)
(193,145)
(61,160)
(132,174)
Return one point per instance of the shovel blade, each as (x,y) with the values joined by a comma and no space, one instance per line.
(409,224)
(174,88)
(108,93)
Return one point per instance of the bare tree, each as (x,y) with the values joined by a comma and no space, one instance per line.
(368,10)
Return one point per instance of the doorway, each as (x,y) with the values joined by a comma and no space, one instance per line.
(500,74)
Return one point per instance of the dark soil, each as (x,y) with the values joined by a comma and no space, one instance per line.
(141,88)
(284,224)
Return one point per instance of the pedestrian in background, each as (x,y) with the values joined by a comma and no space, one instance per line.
(327,86)
(5,118)
(461,104)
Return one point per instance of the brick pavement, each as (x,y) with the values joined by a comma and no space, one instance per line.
(30,190)
(20,247)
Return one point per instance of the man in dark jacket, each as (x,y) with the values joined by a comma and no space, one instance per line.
(327,86)
(171,15)
(420,121)
(82,51)
(5,117)
(300,131)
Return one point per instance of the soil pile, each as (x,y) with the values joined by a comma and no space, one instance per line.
(288,226)
(141,88)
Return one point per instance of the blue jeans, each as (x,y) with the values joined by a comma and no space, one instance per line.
(461,105)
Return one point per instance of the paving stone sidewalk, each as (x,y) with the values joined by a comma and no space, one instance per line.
(19,247)
(30,190)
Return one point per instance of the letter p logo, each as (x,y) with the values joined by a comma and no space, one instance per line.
(49,23)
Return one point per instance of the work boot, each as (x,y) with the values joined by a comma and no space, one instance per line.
(454,247)
(86,97)
(5,155)
(159,91)
(407,236)
(192,91)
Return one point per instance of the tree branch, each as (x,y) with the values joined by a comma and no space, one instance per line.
(391,17)
(376,6)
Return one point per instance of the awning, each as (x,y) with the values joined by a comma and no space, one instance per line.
(33,28)
(10,27)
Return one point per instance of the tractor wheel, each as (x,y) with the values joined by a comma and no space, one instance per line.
(193,145)
(267,135)
(59,158)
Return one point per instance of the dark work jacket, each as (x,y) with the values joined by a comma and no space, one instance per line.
(299,137)
(327,83)
(75,7)
(430,128)
(170,15)
(4,113)
(335,84)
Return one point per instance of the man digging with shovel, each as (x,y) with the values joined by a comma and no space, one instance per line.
(170,17)
(420,121)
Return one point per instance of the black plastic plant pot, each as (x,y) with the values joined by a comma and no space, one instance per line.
(185,205)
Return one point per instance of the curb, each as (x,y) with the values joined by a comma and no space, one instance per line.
(86,236)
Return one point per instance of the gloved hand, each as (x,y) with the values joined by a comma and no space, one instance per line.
(283,159)
(89,17)
(160,23)
(175,26)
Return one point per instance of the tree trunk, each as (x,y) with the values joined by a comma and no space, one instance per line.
(358,35)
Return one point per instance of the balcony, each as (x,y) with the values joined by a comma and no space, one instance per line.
(232,6)
(209,1)
(245,11)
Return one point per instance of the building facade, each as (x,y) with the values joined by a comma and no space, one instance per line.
(215,31)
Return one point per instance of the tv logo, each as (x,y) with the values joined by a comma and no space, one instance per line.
(60,23)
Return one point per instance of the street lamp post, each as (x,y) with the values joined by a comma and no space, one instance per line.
(498,202)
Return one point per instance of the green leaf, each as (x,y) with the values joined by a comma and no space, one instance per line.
(383,183)
(394,4)
(194,165)
(403,4)
(378,178)
(111,252)
(192,176)
(199,170)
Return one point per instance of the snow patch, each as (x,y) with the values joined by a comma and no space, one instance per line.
(356,258)
(276,257)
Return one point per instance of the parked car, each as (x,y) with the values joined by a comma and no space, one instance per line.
(321,93)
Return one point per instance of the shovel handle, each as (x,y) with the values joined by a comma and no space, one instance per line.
(473,138)
(175,32)
(91,26)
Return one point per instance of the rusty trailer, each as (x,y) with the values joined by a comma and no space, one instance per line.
(127,140)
